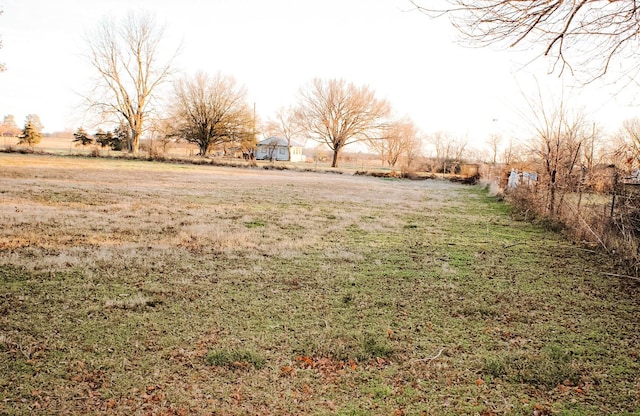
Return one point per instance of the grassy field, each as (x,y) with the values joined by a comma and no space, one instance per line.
(132,287)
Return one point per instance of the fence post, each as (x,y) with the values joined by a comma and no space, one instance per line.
(615,190)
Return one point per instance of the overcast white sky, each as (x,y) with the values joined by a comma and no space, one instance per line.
(276,46)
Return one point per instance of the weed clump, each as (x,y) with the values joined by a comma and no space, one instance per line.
(551,367)
(374,347)
(235,359)
(343,346)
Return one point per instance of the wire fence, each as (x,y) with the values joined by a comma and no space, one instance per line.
(601,210)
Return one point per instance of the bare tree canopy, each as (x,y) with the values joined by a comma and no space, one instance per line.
(449,150)
(558,136)
(9,126)
(493,143)
(338,113)
(399,140)
(126,56)
(628,144)
(583,35)
(211,110)
(34,120)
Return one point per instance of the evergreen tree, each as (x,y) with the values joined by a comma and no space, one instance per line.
(104,138)
(30,135)
(81,136)
(108,139)
(123,134)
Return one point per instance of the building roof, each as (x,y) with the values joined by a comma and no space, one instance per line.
(278,141)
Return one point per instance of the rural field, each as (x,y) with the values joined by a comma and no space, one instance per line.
(140,288)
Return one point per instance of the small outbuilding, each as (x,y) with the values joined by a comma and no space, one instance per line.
(277,148)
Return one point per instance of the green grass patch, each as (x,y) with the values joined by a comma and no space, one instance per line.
(255,224)
(235,359)
(548,368)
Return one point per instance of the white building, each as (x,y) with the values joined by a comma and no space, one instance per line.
(277,148)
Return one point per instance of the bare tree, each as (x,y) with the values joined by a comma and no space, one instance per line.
(9,126)
(558,138)
(399,140)
(493,142)
(628,144)
(161,132)
(439,141)
(209,111)
(248,135)
(126,56)
(34,120)
(591,147)
(380,147)
(285,125)
(338,113)
(449,150)
(514,152)
(580,34)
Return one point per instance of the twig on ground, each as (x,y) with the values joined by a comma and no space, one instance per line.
(583,249)
(516,244)
(428,360)
(623,276)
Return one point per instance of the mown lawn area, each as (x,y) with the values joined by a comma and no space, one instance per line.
(133,287)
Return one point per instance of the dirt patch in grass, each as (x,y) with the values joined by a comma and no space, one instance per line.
(133,287)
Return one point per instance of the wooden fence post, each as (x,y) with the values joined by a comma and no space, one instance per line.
(615,190)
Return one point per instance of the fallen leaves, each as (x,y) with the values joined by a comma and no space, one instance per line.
(287,370)
(89,380)
(541,410)
(328,367)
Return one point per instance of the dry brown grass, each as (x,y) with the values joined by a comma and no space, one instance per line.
(106,208)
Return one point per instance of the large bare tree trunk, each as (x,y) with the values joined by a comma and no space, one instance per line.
(552,194)
(334,160)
